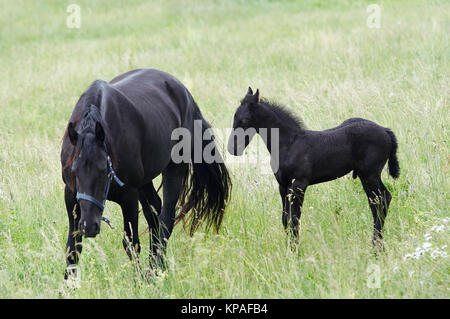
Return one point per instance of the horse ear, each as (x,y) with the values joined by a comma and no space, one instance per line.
(257,96)
(99,132)
(73,135)
(250,91)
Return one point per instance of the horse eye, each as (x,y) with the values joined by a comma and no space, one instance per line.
(102,167)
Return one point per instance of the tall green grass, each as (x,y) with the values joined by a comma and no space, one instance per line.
(317,57)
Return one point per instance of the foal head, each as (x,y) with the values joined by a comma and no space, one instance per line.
(89,168)
(245,124)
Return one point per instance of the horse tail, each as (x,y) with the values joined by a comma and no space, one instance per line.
(394,167)
(206,186)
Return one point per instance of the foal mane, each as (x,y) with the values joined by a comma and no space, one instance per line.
(284,114)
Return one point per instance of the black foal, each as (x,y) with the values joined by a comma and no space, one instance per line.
(302,157)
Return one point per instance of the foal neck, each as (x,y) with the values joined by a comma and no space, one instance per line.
(271,115)
(280,125)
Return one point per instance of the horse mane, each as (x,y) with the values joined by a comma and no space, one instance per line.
(91,115)
(85,116)
(92,96)
(285,115)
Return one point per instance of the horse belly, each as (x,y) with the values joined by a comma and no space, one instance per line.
(156,155)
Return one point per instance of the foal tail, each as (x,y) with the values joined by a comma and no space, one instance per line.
(394,167)
(206,186)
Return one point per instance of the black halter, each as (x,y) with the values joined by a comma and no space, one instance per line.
(111,175)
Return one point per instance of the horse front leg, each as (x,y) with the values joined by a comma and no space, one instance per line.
(74,238)
(129,205)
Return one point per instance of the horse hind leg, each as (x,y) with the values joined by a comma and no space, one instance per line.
(151,206)
(173,177)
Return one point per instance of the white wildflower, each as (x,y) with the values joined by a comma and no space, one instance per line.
(407,256)
(435,253)
(311,259)
(426,246)
(419,252)
(438,229)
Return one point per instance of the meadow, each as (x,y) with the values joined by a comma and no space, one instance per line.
(319,58)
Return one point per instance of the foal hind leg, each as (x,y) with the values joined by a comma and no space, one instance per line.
(379,219)
(151,206)
(379,199)
(74,238)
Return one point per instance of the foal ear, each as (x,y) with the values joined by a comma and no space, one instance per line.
(256,96)
(99,132)
(73,135)
(250,91)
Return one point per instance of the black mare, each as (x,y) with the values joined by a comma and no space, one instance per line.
(131,119)
(308,157)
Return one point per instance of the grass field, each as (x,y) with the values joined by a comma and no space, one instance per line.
(319,58)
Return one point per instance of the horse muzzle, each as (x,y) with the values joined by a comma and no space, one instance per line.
(89,229)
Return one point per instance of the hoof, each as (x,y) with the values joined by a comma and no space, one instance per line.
(378,246)
(157,267)
(72,277)
(150,273)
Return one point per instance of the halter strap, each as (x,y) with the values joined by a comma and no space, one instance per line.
(91,199)
(112,173)
(111,176)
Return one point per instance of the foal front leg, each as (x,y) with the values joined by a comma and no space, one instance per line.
(295,196)
(284,202)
